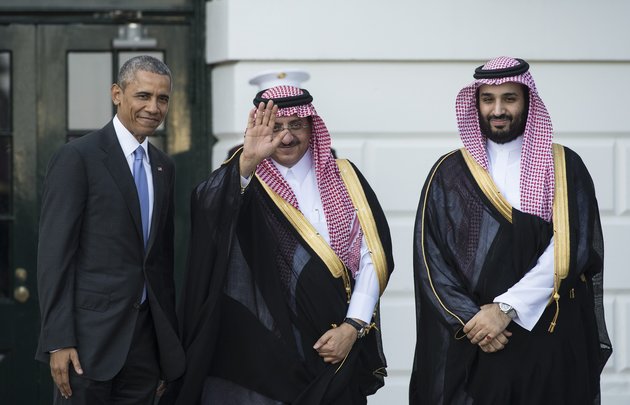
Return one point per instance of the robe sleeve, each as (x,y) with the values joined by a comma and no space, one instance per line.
(215,206)
(532,293)
(439,284)
(589,245)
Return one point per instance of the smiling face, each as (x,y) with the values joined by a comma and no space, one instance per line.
(502,111)
(143,103)
(295,142)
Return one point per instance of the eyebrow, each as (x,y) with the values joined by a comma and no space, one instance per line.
(292,121)
(149,93)
(499,95)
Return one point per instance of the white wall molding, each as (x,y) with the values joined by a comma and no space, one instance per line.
(384,76)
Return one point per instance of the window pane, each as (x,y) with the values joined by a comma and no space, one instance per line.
(5,174)
(4,258)
(89,84)
(5,91)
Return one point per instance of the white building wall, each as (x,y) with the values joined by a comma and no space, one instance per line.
(384,76)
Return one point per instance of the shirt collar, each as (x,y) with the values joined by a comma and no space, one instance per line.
(300,169)
(512,148)
(127,141)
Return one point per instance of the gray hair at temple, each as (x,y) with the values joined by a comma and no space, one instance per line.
(145,63)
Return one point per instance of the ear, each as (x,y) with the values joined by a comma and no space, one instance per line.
(117,94)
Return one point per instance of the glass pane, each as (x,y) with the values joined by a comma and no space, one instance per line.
(89,83)
(126,55)
(5,175)
(5,91)
(4,258)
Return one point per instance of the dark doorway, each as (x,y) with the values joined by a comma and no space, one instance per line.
(54,86)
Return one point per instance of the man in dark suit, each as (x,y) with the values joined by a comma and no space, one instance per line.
(105,259)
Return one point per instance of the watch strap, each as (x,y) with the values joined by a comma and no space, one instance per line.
(361,330)
(507,309)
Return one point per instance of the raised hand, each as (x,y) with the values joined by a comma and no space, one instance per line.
(260,142)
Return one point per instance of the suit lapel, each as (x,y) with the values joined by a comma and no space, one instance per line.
(119,169)
(159,192)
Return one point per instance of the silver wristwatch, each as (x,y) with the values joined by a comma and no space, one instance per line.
(507,310)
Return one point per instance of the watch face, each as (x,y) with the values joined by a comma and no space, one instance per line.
(507,309)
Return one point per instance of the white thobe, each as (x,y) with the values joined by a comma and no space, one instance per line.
(301,177)
(530,295)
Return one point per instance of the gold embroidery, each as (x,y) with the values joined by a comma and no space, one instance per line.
(366,219)
(311,237)
(560,218)
(560,215)
(487,185)
(342,363)
(232,156)
(560,227)
(424,256)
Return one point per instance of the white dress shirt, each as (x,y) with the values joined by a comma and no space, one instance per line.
(301,177)
(129,144)
(530,296)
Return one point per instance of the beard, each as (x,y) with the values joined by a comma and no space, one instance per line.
(514,130)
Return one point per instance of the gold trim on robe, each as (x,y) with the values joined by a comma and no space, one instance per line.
(562,242)
(232,156)
(486,184)
(560,217)
(424,256)
(310,235)
(366,219)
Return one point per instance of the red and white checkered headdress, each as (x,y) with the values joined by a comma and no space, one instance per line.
(537,173)
(340,214)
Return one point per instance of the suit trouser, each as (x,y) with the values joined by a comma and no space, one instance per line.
(135,383)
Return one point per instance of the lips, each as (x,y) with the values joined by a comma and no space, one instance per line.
(151,120)
(500,122)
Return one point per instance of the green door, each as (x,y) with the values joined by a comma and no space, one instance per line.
(19,310)
(54,86)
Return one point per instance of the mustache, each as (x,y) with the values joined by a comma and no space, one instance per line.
(500,117)
(289,145)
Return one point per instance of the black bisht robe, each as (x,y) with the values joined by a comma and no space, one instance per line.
(466,254)
(256,298)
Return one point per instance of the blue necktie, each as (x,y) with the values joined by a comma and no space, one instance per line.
(140,177)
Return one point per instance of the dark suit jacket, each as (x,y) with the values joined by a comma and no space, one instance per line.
(91,260)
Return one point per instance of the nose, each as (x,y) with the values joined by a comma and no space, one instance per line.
(287,138)
(498,109)
(152,106)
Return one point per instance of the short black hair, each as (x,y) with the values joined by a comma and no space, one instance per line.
(145,63)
